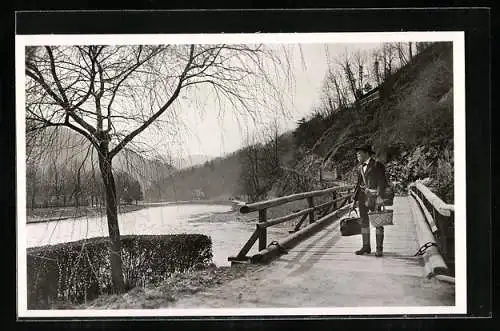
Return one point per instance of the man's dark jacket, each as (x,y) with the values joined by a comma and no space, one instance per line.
(375,179)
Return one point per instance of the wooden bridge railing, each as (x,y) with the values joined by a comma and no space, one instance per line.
(340,196)
(440,217)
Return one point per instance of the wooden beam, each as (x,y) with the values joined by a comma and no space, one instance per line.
(334,206)
(239,260)
(298,225)
(282,200)
(289,217)
(445,278)
(442,207)
(443,224)
(262,231)
(334,198)
(310,202)
(249,244)
(326,211)
(283,219)
(331,202)
(428,216)
(433,260)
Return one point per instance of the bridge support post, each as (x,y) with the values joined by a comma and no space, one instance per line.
(262,231)
(310,202)
(446,240)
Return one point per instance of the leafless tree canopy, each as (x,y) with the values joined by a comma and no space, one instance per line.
(116,92)
(353,74)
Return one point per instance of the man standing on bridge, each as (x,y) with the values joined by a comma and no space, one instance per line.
(369,195)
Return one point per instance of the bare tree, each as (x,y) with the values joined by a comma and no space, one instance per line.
(274,141)
(403,55)
(347,67)
(111,94)
(387,58)
(420,46)
(360,62)
(375,70)
(33,182)
(250,176)
(334,92)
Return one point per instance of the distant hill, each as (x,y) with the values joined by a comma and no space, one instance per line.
(215,179)
(64,151)
(219,178)
(191,161)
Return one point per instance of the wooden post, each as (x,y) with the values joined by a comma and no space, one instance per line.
(310,201)
(450,242)
(262,231)
(242,254)
(443,235)
(298,225)
(334,196)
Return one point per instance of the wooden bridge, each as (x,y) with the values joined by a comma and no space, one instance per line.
(315,265)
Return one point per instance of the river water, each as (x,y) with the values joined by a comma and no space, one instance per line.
(229,231)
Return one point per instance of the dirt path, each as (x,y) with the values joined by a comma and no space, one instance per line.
(323,272)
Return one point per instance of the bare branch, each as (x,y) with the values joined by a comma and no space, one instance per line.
(56,79)
(33,72)
(172,98)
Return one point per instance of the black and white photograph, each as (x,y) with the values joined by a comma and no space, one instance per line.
(241,174)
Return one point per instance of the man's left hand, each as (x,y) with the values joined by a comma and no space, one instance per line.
(379,201)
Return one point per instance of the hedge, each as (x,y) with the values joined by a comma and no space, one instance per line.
(79,271)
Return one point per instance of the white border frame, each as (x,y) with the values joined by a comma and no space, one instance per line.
(272,38)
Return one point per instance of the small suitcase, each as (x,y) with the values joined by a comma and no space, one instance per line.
(350,226)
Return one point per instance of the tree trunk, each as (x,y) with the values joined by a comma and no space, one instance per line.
(112,216)
(33,195)
(377,72)
(78,189)
(276,150)
(351,80)
(339,94)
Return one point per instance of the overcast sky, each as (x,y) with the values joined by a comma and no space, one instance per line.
(208,134)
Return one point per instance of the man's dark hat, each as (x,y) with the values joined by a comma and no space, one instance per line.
(365,148)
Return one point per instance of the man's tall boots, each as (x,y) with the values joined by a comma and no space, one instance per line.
(366,249)
(379,240)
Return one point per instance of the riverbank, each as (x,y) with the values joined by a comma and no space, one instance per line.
(49,214)
(38,215)
(234,203)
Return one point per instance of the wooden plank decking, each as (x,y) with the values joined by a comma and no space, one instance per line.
(323,271)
